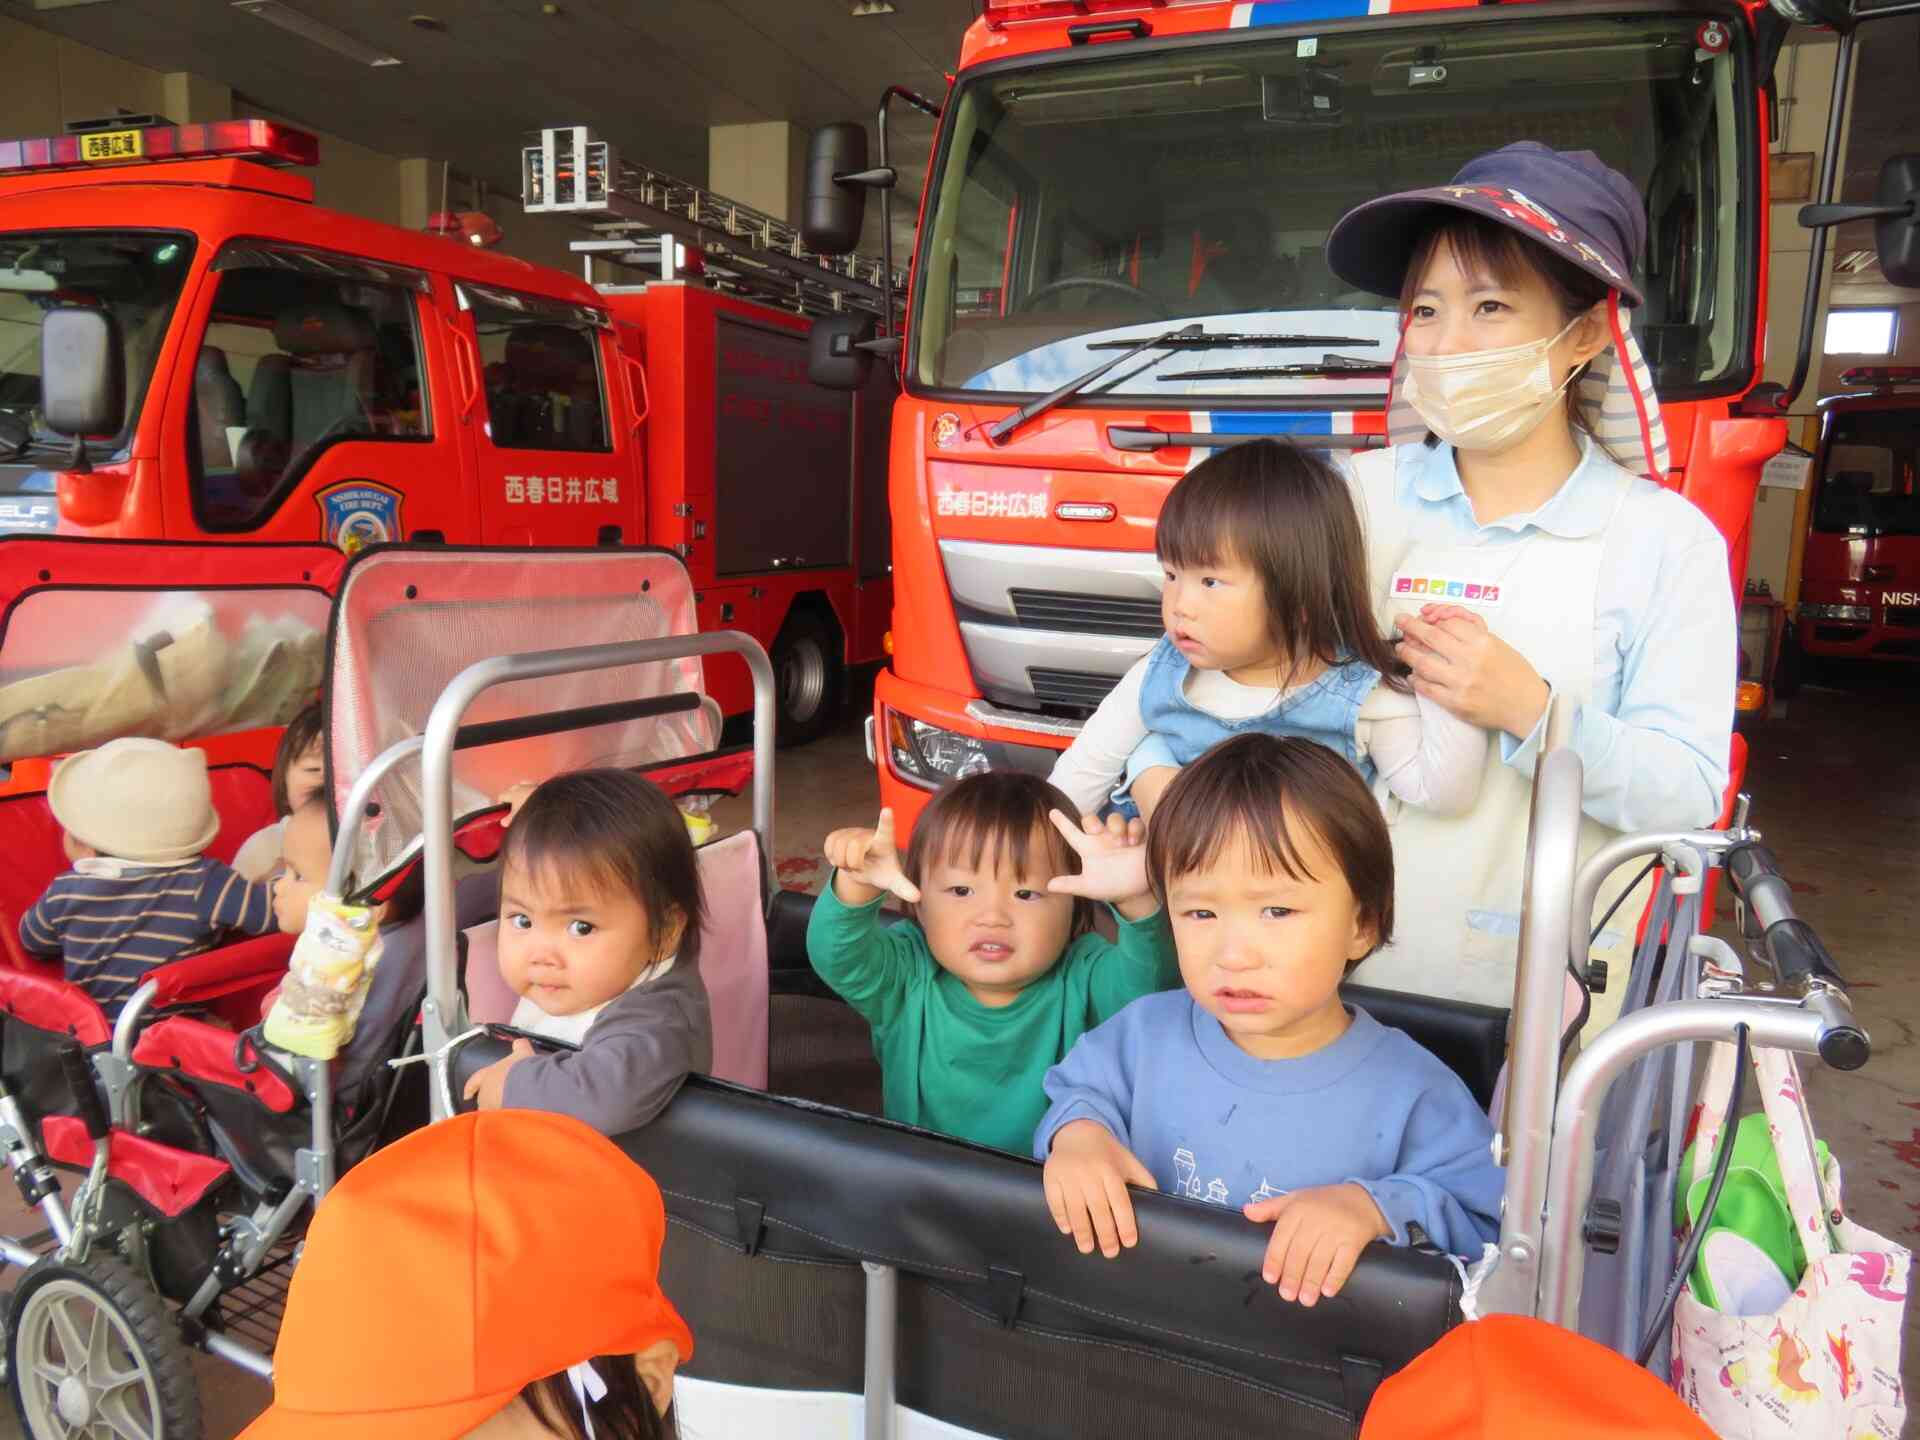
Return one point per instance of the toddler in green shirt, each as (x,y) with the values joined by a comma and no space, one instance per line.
(999,970)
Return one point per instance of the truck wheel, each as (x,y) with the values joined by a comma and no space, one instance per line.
(809,675)
(91,1350)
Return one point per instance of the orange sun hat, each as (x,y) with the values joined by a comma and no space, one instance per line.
(460,1264)
(1508,1377)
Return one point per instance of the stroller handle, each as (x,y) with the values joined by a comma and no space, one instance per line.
(1799,959)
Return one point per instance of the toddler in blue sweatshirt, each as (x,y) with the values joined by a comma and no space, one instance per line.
(1256,1086)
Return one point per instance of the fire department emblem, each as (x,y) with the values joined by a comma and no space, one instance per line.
(358,514)
(946,429)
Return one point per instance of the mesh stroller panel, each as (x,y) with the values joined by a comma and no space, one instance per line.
(104,638)
(408,621)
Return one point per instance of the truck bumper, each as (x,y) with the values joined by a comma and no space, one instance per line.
(1831,639)
(1006,739)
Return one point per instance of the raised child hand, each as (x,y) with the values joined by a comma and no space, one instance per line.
(1086,1178)
(1318,1235)
(488,1087)
(1113,863)
(866,863)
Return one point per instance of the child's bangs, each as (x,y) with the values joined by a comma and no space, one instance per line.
(1199,520)
(556,864)
(1258,823)
(983,841)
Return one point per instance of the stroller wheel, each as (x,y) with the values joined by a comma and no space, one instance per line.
(91,1350)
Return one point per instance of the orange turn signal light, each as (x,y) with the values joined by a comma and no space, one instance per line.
(886,642)
(1751,695)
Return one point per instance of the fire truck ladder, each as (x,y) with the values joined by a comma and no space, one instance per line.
(742,250)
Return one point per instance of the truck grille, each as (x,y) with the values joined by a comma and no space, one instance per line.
(1086,614)
(1903,614)
(1077,688)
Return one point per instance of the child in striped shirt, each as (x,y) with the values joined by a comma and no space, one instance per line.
(137,815)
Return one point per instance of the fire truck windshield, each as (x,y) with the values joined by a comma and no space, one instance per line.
(1870,480)
(1127,190)
(136,276)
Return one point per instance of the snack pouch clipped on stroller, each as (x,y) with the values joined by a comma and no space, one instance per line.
(1825,1359)
(327,979)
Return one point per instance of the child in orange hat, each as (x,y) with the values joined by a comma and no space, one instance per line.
(487,1325)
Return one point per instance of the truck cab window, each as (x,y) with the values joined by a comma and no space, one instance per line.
(542,380)
(134,276)
(293,362)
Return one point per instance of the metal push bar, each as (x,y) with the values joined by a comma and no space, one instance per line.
(1549,1138)
(442,1015)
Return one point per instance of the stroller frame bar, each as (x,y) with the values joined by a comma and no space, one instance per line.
(354,812)
(1524,1140)
(442,1015)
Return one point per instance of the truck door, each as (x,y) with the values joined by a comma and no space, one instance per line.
(557,457)
(310,410)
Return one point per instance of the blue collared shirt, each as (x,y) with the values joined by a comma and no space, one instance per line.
(1655,735)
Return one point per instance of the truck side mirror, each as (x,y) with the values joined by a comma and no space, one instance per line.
(836,359)
(82,372)
(1895,236)
(835,206)
(1834,14)
(1895,211)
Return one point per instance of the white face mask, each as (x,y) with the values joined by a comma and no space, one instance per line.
(1486,399)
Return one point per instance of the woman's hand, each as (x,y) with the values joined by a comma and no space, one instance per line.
(1460,664)
(1113,863)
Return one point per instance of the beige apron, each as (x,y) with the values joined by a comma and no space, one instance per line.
(1458,878)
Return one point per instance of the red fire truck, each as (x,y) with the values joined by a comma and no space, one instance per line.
(246,365)
(1110,170)
(1860,578)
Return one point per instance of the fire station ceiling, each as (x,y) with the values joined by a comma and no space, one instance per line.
(651,75)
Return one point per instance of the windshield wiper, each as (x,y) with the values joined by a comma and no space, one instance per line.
(1007,424)
(1229,340)
(1331,365)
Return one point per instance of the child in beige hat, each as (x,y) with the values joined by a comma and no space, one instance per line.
(137,814)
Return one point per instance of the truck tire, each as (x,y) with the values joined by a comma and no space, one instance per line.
(810,675)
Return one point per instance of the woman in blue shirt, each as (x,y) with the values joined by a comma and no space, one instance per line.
(1518,548)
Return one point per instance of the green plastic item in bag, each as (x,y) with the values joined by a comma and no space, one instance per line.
(1753,1204)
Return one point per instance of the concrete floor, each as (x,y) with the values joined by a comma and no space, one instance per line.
(1836,786)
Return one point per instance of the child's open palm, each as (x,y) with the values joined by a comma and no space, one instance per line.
(1113,863)
(870,861)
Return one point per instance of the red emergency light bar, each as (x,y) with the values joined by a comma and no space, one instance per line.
(1881,377)
(999,12)
(243,139)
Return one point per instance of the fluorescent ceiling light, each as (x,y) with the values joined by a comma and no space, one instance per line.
(320,33)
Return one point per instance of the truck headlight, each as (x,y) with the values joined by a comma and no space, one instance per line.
(1859,613)
(928,756)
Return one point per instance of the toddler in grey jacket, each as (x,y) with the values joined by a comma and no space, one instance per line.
(600,914)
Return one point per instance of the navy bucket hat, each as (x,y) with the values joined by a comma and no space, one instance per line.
(1570,201)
